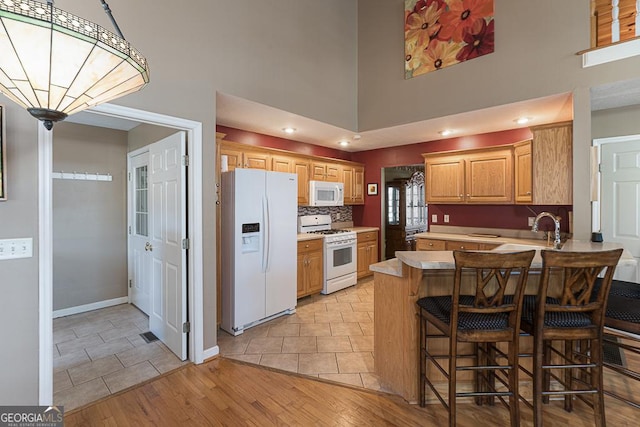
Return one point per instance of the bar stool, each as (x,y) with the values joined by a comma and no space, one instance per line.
(575,318)
(622,331)
(489,313)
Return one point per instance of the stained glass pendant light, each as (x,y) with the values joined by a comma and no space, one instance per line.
(55,64)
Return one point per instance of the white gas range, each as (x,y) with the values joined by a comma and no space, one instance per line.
(340,263)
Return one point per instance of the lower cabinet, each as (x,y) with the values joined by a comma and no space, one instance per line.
(367,252)
(450,245)
(310,272)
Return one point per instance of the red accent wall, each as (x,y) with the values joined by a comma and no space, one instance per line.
(261,140)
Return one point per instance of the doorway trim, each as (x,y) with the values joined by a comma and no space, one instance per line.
(194,226)
(596,158)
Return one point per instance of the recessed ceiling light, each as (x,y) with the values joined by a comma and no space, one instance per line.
(344,143)
(446,132)
(289,130)
(522,120)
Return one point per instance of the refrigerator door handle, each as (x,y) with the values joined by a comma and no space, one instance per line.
(266,241)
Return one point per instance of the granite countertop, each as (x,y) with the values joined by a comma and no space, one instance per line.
(443,260)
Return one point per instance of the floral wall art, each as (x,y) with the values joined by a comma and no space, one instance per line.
(441,33)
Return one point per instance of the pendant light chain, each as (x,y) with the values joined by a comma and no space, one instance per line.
(107,10)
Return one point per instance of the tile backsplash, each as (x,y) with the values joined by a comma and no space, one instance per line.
(338,213)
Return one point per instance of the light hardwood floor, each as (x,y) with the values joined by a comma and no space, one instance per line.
(230,393)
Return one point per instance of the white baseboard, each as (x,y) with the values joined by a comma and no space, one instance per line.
(210,352)
(89,307)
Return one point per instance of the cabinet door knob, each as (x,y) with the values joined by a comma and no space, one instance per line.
(528,193)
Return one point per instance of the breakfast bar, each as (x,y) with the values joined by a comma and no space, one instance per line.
(401,281)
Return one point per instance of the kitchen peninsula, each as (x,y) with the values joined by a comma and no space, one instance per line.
(401,281)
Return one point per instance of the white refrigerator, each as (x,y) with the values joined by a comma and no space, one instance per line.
(259,245)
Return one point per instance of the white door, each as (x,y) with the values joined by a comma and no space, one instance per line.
(620,194)
(167,220)
(139,231)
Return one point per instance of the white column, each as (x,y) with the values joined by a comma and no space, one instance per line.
(615,24)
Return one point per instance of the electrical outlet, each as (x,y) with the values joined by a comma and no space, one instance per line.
(446,218)
(16,248)
(434,218)
(338,215)
(531,220)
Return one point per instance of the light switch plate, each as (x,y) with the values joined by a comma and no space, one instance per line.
(531,220)
(434,218)
(446,218)
(16,248)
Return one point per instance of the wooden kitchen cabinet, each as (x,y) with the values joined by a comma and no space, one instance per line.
(475,176)
(552,164)
(297,165)
(323,171)
(245,159)
(353,179)
(450,245)
(234,157)
(310,267)
(444,179)
(523,190)
(489,176)
(430,245)
(367,252)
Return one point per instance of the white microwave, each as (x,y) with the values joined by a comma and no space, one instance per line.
(322,193)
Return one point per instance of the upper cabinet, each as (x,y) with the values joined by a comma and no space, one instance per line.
(353,179)
(523,189)
(297,165)
(306,167)
(246,159)
(324,171)
(536,172)
(475,176)
(552,164)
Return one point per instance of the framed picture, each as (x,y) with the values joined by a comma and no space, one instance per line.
(372,189)
(3,159)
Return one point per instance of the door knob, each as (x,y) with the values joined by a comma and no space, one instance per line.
(148,247)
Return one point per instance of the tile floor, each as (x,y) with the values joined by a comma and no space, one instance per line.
(101,352)
(329,337)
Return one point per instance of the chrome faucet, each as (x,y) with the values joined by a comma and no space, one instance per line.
(556,220)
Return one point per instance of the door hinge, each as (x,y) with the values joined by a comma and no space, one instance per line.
(185,243)
(600,167)
(130,285)
(185,160)
(129,175)
(186,327)
(129,229)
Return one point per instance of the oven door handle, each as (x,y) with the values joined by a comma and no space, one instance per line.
(341,245)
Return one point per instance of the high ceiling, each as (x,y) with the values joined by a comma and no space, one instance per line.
(243,114)
(247,115)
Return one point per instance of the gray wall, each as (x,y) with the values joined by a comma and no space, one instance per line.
(296,55)
(89,217)
(616,122)
(19,278)
(145,134)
